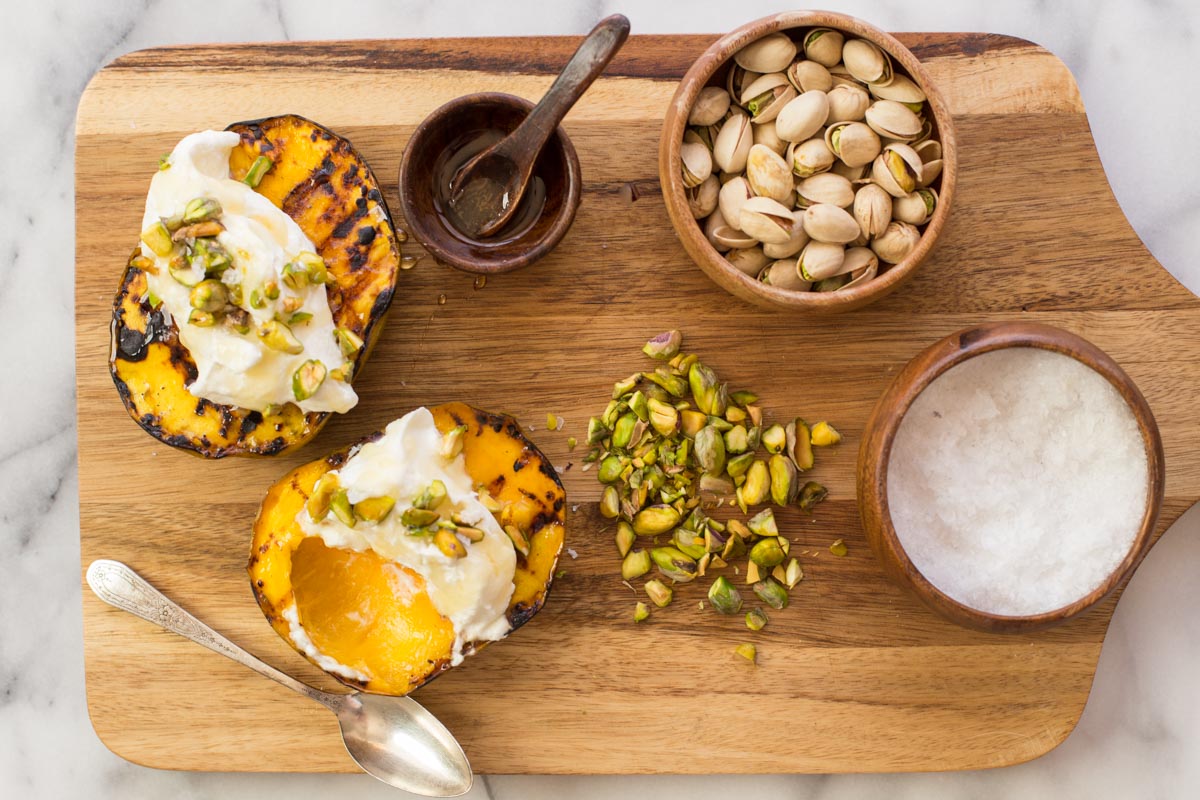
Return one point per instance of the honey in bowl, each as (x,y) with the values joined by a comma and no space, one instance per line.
(1018,481)
(465,208)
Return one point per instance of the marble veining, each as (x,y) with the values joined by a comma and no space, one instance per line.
(1140,733)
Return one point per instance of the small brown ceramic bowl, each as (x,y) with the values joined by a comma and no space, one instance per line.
(711,70)
(880,433)
(448,128)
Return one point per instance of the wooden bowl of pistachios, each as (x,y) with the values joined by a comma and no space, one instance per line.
(807,161)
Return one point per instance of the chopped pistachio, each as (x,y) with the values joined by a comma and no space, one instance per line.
(610,503)
(271,290)
(655,520)
(342,373)
(811,494)
(278,336)
(199,209)
(664,346)
(625,537)
(756,619)
(774,439)
(635,564)
(295,275)
(552,422)
(838,548)
(417,517)
(202,319)
(339,504)
(772,593)
(164,161)
(307,379)
(638,405)
(519,539)
(446,541)
(299,318)
(692,422)
(674,564)
(596,431)
(622,435)
(739,464)
(291,304)
(470,534)
(158,239)
(434,495)
(374,509)
(799,444)
(743,398)
(763,523)
(767,553)
(610,469)
(452,441)
(734,414)
(746,651)
(710,450)
(784,486)
(752,573)
(622,388)
(823,434)
(572,442)
(641,612)
(318,502)
(258,169)
(724,597)
(757,485)
(659,593)
(154,300)
(794,574)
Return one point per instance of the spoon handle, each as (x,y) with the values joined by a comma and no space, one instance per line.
(585,66)
(118,585)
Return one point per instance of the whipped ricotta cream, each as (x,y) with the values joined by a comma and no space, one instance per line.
(233,368)
(473,592)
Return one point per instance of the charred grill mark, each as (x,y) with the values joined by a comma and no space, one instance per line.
(558,505)
(343,228)
(276,445)
(531,495)
(521,613)
(351,177)
(541,521)
(249,423)
(521,462)
(366,235)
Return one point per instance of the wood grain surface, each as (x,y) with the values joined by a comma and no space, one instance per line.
(856,675)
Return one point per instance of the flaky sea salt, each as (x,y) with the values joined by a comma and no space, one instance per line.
(1017,481)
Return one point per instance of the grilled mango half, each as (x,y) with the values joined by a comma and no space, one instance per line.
(319,180)
(345,601)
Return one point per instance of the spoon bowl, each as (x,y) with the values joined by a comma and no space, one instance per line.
(394,739)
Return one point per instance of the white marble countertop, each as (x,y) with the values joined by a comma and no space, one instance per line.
(1140,733)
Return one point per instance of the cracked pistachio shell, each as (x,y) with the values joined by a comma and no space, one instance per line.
(872,209)
(710,106)
(929,150)
(738,79)
(896,243)
(809,76)
(897,169)
(853,142)
(902,89)
(733,143)
(749,260)
(824,46)
(731,197)
(771,53)
(860,174)
(842,77)
(695,163)
(768,136)
(810,158)
(893,120)
(702,199)
(794,244)
(867,62)
(767,96)
(733,238)
(714,221)
(828,223)
(820,260)
(767,220)
(782,274)
(826,187)
(916,207)
(929,172)
(768,174)
(864,265)
(847,103)
(803,117)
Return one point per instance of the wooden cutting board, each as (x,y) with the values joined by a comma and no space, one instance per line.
(856,675)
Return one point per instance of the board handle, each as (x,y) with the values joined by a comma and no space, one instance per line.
(120,586)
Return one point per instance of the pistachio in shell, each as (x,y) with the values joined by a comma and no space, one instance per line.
(824,222)
(710,107)
(848,102)
(853,142)
(842,77)
(783,275)
(824,46)
(733,195)
(861,174)
(767,96)
(872,209)
(803,116)
(902,89)
(893,120)
(738,79)
(827,187)
(771,53)
(864,273)
(809,76)
(810,157)
(749,260)
(712,223)
(819,260)
(897,169)
(768,174)
(695,163)
(915,207)
(733,142)
(767,220)
(867,62)
(732,238)
(702,199)
(896,243)
(767,135)
(793,245)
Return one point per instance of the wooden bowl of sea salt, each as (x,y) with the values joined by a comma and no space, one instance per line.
(1011,476)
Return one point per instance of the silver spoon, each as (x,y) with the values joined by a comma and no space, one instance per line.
(392,738)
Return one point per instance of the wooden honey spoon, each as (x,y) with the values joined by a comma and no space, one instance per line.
(486,191)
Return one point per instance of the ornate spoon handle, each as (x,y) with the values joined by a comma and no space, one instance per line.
(119,586)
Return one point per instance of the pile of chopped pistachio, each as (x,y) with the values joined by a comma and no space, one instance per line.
(674,441)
